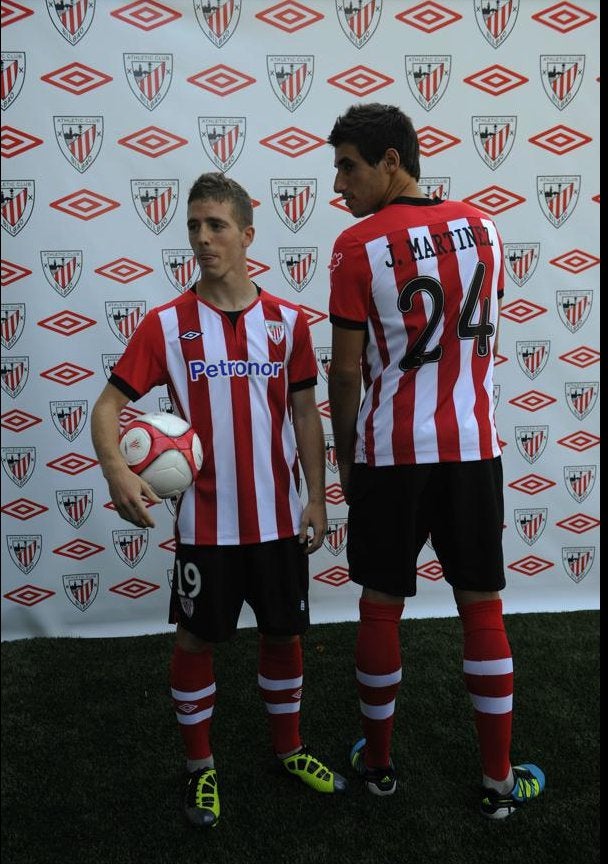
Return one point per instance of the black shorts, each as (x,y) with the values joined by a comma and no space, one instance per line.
(395,509)
(211,583)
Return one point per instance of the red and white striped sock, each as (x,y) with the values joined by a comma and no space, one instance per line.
(193,693)
(280,679)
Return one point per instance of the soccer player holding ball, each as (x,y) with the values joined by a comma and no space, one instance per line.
(414,304)
(239,367)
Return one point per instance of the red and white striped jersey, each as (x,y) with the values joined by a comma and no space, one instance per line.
(423,277)
(232,384)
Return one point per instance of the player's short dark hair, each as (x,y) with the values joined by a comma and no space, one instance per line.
(218,187)
(373,128)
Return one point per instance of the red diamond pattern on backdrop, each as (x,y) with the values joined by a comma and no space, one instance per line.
(221,80)
(500,358)
(84,204)
(23,509)
(522,310)
(560,139)
(532,401)
(129,413)
(433,141)
(532,484)
(333,494)
(255,268)
(428,17)
(66,373)
(76,78)
(578,523)
(292,141)
(153,141)
(168,545)
(29,595)
(146,14)
(581,357)
(124,270)
(496,80)
(289,16)
(530,565)
(324,409)
(17,420)
(10,273)
(579,441)
(333,577)
(313,316)
(78,549)
(432,570)
(564,17)
(339,203)
(14,142)
(13,12)
(360,80)
(109,505)
(72,463)
(67,323)
(134,588)
(494,200)
(575,261)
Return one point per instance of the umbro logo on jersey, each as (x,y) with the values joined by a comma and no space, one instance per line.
(191,334)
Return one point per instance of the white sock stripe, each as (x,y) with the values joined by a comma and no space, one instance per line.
(191,719)
(378,680)
(488,667)
(277,684)
(193,695)
(377,712)
(283,707)
(492,704)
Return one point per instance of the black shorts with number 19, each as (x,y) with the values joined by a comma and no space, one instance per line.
(211,583)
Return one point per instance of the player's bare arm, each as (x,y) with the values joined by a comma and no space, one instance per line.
(311,450)
(126,488)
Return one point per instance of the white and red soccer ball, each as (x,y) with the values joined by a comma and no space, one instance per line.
(164,450)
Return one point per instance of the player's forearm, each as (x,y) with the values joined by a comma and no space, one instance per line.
(105,430)
(344,398)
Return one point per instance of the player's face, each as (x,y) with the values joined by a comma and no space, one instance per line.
(364,187)
(217,240)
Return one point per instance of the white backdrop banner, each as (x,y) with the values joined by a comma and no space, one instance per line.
(111,109)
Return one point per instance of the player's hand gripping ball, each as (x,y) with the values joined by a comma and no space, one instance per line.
(164,450)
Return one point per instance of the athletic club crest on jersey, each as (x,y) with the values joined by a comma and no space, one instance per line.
(578,561)
(294,200)
(69,418)
(155,202)
(12,319)
(71,18)
(79,139)
(218,19)
(558,196)
(493,138)
(579,480)
(331,460)
(574,307)
(109,361)
(298,264)
(532,357)
(131,545)
(275,331)
(359,19)
(19,463)
(124,317)
(81,589)
(335,539)
(521,260)
(62,269)
(531,441)
(149,77)
(14,372)
(12,76)
(530,524)
(16,204)
(435,187)
(562,75)
(222,139)
(323,356)
(581,397)
(427,77)
(290,77)
(496,19)
(75,505)
(24,550)
(180,268)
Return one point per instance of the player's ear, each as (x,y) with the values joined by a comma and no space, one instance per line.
(391,159)
(248,235)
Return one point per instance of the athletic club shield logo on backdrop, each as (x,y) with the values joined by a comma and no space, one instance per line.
(24,550)
(562,75)
(79,139)
(218,19)
(496,19)
(558,196)
(290,77)
(180,268)
(335,539)
(12,76)
(62,269)
(531,441)
(16,204)
(435,187)
(359,19)
(222,139)
(578,561)
(298,264)
(294,200)
(131,545)
(69,418)
(124,317)
(155,202)
(532,357)
(12,319)
(14,373)
(81,589)
(331,460)
(149,77)
(75,505)
(71,18)
(574,307)
(521,260)
(530,524)
(427,77)
(323,357)
(109,361)
(581,397)
(19,463)
(579,480)
(493,138)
